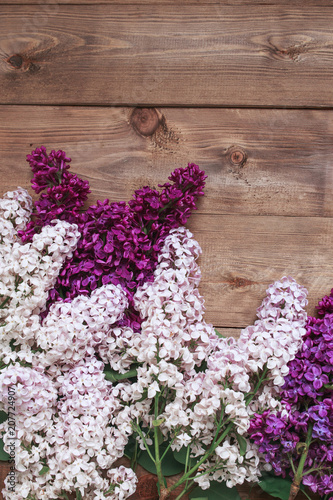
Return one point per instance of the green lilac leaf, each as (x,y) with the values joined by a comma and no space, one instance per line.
(157,423)
(64,495)
(180,455)
(170,466)
(242,444)
(115,376)
(276,486)
(130,447)
(3,416)
(219,334)
(4,457)
(216,491)
(78,494)
(44,470)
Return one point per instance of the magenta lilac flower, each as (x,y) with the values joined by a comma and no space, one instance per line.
(325,305)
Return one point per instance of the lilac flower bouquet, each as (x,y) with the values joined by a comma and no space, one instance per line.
(298,441)
(105,349)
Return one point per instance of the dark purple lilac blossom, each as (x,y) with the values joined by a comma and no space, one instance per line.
(299,441)
(65,193)
(120,242)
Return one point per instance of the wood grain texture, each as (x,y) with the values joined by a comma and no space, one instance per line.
(288,167)
(51,5)
(195,55)
(242,255)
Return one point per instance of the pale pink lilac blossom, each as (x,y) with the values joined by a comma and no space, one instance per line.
(275,337)
(27,272)
(73,330)
(63,423)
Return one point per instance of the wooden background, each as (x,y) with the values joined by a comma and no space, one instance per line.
(133,89)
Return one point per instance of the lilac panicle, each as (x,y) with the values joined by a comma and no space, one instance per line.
(119,242)
(65,192)
(325,305)
(307,416)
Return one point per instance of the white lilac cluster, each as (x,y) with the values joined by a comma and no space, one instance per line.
(81,443)
(15,213)
(27,272)
(65,440)
(72,330)
(275,337)
(205,383)
(174,337)
(174,329)
(113,348)
(233,371)
(35,400)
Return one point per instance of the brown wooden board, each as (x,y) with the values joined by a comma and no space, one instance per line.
(192,55)
(51,5)
(242,255)
(258,162)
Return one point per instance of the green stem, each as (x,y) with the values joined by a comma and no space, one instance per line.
(139,431)
(134,457)
(260,381)
(4,302)
(203,459)
(307,496)
(170,443)
(185,490)
(187,462)
(315,469)
(115,376)
(291,464)
(299,473)
(158,461)
(219,424)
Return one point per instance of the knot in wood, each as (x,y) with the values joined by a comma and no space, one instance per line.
(16,61)
(237,156)
(145,121)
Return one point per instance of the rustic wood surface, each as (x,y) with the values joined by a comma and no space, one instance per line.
(199,55)
(51,5)
(73,73)
(259,162)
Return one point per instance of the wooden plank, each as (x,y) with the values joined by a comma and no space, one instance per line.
(51,5)
(288,167)
(229,332)
(195,55)
(242,255)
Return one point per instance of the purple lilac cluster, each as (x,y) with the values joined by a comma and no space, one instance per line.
(325,305)
(304,428)
(119,242)
(65,192)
